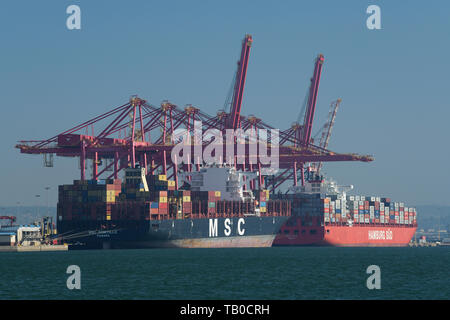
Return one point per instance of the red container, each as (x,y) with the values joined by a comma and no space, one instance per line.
(162,205)
(187,208)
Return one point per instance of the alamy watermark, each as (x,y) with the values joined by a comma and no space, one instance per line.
(212,147)
(74,20)
(374,20)
(374,281)
(74,280)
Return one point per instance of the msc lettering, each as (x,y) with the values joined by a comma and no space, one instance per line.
(227,227)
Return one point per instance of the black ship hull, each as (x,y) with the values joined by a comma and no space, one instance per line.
(248,231)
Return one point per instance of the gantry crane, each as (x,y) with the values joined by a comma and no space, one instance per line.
(301,133)
(326,132)
(152,135)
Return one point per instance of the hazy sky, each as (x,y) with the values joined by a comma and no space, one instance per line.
(394,82)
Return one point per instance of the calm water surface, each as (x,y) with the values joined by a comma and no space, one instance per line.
(261,273)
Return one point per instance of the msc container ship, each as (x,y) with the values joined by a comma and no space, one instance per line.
(145,211)
(324,215)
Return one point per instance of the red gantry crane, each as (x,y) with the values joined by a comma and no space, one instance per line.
(138,132)
(301,133)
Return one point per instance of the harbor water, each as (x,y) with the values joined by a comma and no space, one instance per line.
(257,273)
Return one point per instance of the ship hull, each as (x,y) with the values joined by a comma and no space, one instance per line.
(175,233)
(228,242)
(346,236)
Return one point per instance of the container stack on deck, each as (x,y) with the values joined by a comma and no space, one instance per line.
(380,210)
(87,200)
(112,200)
(359,209)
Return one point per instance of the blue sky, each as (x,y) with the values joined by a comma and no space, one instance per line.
(393,82)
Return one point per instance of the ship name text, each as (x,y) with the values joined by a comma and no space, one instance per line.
(227,225)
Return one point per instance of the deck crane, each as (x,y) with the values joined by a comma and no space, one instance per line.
(239,84)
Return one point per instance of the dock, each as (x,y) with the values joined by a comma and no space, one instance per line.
(39,248)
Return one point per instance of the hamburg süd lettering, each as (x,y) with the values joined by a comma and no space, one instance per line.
(380,235)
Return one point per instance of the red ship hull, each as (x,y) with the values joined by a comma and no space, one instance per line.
(358,235)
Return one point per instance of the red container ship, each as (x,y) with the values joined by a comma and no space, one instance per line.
(323,215)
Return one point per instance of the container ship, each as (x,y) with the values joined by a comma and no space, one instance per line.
(211,210)
(324,215)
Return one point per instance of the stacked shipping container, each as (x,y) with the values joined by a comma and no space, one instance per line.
(111,200)
(376,210)
(358,209)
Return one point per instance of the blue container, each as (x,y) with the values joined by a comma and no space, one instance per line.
(154,205)
(262,204)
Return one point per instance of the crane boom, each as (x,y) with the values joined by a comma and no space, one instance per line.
(235,112)
(327,128)
(312,99)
